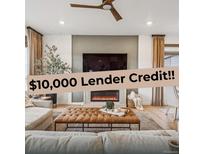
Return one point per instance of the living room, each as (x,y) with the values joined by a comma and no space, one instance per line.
(147,122)
(143,34)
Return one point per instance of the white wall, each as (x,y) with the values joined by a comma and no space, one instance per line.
(64,45)
(172,39)
(145,61)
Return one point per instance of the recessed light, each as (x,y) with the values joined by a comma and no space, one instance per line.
(149,23)
(61,22)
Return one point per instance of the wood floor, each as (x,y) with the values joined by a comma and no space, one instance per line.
(158,114)
(166,121)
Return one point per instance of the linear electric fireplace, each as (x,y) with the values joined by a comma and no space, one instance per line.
(93,62)
(111,95)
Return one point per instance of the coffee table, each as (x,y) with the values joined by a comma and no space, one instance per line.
(88,115)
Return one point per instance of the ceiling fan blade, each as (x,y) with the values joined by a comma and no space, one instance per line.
(109,1)
(86,6)
(115,13)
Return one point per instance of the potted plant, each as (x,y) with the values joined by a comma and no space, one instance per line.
(51,63)
(110,105)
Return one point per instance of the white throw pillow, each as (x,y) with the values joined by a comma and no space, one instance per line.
(28,101)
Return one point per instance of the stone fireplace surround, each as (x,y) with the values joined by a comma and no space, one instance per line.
(102,44)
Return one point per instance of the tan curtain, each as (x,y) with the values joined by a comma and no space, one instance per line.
(158,61)
(35,48)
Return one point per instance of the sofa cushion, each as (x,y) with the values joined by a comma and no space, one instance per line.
(58,133)
(42,103)
(135,142)
(63,143)
(29,103)
(35,116)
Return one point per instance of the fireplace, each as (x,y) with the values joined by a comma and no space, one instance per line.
(108,95)
(93,62)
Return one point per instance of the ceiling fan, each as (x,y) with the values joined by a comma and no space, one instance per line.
(106,5)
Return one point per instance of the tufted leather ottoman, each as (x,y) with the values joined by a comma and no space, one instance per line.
(85,115)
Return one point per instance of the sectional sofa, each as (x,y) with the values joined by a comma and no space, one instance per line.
(113,142)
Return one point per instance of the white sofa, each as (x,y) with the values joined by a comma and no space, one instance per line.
(115,142)
(38,118)
(38,115)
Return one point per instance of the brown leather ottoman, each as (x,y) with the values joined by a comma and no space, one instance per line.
(85,115)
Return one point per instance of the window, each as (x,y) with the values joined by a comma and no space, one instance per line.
(171,60)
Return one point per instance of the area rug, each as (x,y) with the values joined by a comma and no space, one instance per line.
(147,123)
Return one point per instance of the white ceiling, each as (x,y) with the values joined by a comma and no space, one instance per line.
(44,16)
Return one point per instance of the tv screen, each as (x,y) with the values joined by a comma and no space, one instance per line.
(104,62)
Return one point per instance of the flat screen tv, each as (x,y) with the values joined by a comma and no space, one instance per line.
(93,62)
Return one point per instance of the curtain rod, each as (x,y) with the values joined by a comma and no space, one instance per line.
(158,35)
(34,30)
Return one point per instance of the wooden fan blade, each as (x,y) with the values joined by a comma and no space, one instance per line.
(86,6)
(115,13)
(109,1)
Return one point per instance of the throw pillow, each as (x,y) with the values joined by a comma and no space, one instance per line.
(28,101)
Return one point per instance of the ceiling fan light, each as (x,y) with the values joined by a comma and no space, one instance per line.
(107,7)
